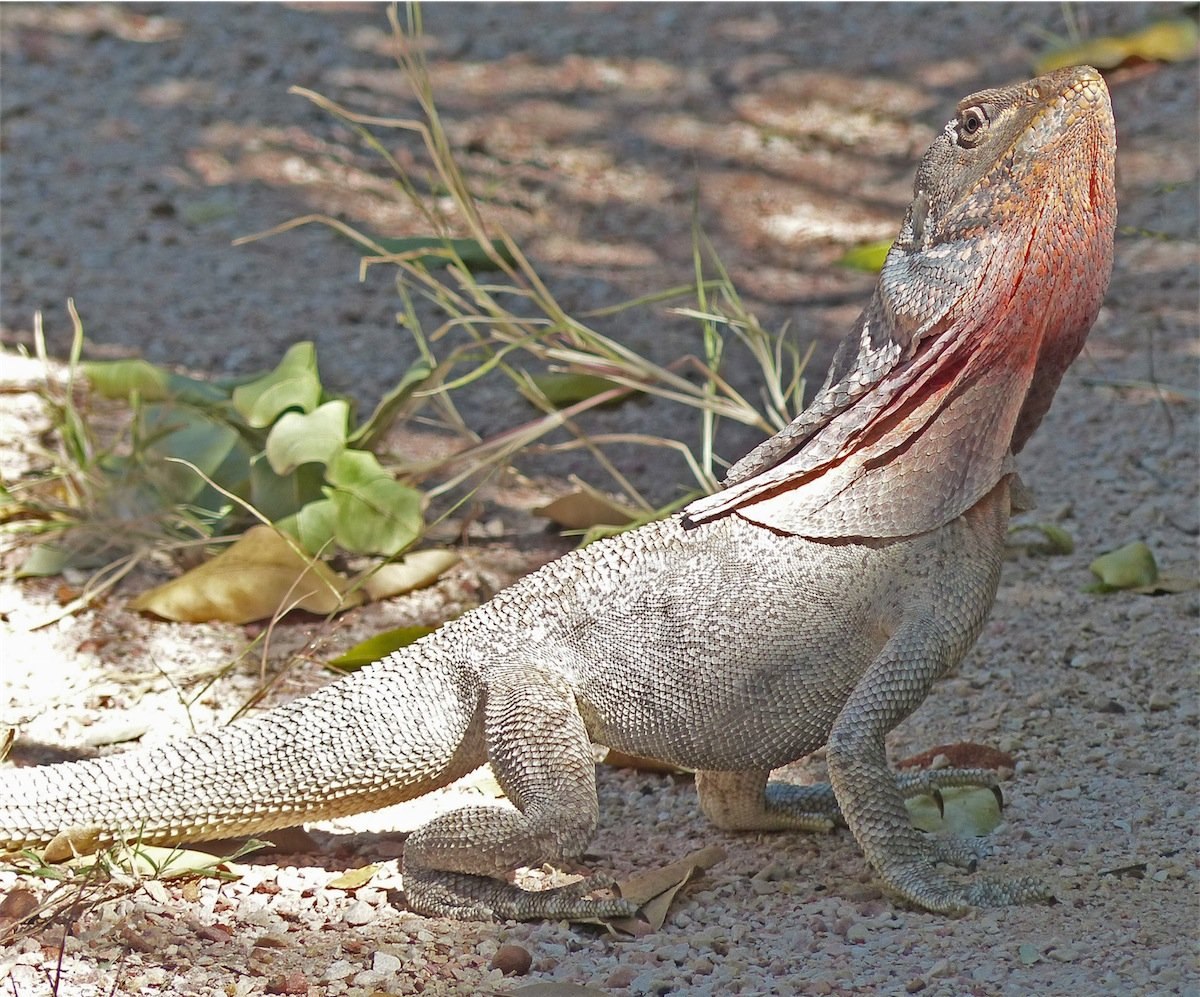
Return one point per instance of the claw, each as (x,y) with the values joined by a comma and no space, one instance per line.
(940,801)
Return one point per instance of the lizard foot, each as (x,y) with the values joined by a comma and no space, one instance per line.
(480,898)
(918,882)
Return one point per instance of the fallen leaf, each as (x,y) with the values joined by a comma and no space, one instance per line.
(585,507)
(562,389)
(256,578)
(353,878)
(621,760)
(653,891)
(868,257)
(417,569)
(963,755)
(372,649)
(1172,40)
(1054,539)
(72,842)
(966,811)
(1131,566)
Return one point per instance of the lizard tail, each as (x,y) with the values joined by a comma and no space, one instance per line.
(389,733)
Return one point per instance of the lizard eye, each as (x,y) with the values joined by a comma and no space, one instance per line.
(972,123)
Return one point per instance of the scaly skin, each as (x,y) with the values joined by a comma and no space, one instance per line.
(852,561)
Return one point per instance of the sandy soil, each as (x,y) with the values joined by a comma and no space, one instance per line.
(137,142)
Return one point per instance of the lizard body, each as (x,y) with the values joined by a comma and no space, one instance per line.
(851,561)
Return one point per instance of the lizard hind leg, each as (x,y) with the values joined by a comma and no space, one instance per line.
(456,865)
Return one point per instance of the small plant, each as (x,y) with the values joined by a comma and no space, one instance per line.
(209,457)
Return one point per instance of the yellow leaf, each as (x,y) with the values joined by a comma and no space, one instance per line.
(1164,41)
(258,577)
(966,811)
(353,878)
(416,570)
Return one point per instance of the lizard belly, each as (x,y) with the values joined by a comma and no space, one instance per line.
(744,664)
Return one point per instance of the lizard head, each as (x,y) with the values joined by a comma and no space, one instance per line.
(1017,191)
(986,163)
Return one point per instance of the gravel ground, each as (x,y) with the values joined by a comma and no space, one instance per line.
(138,141)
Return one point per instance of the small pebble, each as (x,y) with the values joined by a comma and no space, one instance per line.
(512,960)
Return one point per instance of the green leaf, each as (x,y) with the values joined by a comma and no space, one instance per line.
(44,560)
(562,389)
(314,526)
(1028,954)
(869,256)
(125,378)
(368,434)
(315,438)
(277,496)
(433,251)
(1054,539)
(375,513)
(215,448)
(1131,566)
(380,646)
(293,384)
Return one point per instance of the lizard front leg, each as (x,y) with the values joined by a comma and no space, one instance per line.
(542,758)
(871,802)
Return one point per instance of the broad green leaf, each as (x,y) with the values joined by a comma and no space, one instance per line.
(277,496)
(433,251)
(380,646)
(369,433)
(215,448)
(1131,566)
(293,384)
(1165,41)
(968,811)
(314,526)
(563,389)
(314,438)
(255,579)
(44,560)
(868,257)
(417,569)
(375,513)
(125,378)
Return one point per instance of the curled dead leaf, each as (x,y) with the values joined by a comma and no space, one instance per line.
(261,575)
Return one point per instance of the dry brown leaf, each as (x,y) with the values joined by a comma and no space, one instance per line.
(258,577)
(72,842)
(621,760)
(655,890)
(586,507)
(963,755)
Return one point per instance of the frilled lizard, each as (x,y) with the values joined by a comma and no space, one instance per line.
(850,561)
